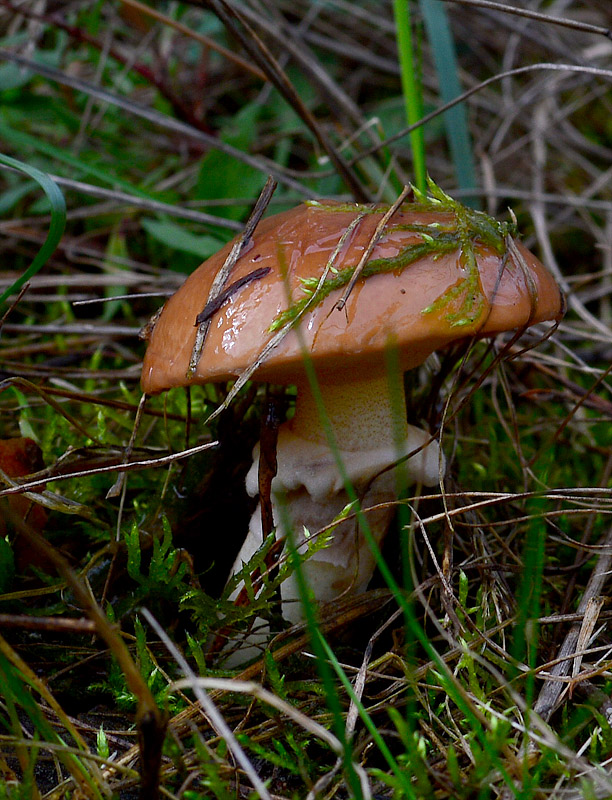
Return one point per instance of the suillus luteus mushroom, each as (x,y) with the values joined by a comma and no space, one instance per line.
(437,272)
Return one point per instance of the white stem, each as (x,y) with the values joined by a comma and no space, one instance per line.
(371,433)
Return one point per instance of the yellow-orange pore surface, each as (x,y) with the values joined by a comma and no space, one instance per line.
(382,310)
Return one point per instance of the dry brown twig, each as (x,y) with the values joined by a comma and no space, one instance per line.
(590,605)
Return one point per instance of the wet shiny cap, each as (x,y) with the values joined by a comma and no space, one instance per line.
(422,291)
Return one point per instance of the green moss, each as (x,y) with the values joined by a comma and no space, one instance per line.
(468,230)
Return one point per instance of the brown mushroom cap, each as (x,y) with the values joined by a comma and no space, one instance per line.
(382,309)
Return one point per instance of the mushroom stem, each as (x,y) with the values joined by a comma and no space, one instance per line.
(362,413)
(371,435)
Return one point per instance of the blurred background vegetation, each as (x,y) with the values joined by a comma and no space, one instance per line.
(135,140)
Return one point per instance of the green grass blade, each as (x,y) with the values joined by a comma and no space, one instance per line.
(455,119)
(413,628)
(323,668)
(24,141)
(526,634)
(411,85)
(403,777)
(56,228)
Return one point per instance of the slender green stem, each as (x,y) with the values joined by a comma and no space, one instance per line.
(442,47)
(411,86)
(56,227)
(319,648)
(367,720)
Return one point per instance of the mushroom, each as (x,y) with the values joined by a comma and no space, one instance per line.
(437,272)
